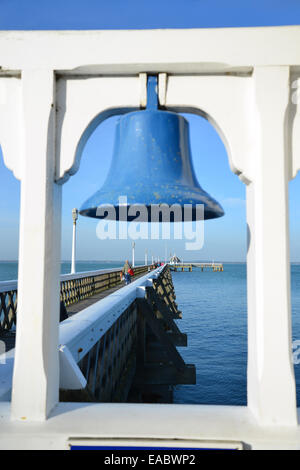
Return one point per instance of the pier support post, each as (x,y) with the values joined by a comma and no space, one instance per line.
(271,383)
(36,371)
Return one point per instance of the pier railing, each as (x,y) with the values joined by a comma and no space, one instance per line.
(124,343)
(74,287)
(216,267)
(79,286)
(124,346)
(8,304)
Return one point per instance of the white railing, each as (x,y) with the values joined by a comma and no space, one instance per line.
(81,332)
(73,288)
(13,284)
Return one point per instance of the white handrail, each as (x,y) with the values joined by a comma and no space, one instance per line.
(13,285)
(81,332)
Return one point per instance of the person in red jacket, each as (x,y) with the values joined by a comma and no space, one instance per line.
(126,272)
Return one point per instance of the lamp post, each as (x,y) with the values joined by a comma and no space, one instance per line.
(133,246)
(75,217)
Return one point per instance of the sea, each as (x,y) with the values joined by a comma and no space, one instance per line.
(214,317)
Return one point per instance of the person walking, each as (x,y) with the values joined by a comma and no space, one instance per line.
(126,272)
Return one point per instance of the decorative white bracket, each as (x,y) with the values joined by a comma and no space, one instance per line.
(70,375)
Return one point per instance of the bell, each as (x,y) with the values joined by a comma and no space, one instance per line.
(151,166)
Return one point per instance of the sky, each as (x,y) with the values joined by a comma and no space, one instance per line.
(224,238)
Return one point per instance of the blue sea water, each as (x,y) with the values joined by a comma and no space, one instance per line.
(214,307)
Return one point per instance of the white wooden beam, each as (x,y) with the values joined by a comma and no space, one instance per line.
(36,374)
(271,381)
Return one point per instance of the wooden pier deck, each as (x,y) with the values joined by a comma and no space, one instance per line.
(82,304)
(126,350)
(8,336)
(216,267)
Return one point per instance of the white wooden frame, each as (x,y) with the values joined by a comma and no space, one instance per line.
(55,87)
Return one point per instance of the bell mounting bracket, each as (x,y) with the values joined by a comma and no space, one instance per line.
(153,90)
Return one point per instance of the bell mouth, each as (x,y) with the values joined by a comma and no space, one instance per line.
(173,205)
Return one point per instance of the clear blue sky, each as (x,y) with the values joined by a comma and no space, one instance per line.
(225,239)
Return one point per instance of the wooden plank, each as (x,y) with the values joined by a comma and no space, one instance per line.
(163,310)
(178,339)
(161,335)
(153,394)
(156,353)
(158,284)
(81,304)
(156,374)
(168,294)
(125,383)
(141,338)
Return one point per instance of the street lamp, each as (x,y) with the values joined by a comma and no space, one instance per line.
(75,217)
(133,246)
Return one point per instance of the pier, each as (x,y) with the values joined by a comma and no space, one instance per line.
(77,291)
(118,343)
(216,267)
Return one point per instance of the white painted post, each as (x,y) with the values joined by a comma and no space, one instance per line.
(73,263)
(133,246)
(36,370)
(146,257)
(271,382)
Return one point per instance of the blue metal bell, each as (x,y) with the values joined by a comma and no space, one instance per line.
(151,165)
